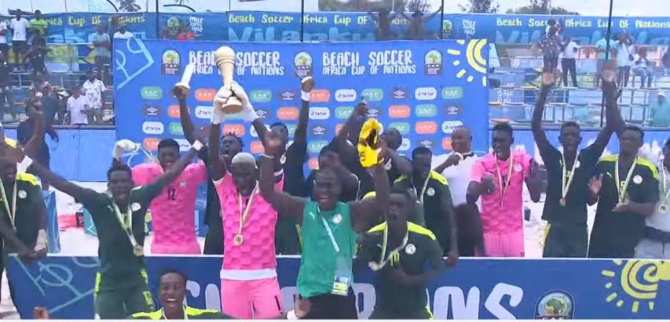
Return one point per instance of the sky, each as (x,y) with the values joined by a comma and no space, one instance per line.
(637,8)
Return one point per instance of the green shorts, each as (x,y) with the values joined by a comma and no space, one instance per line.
(121,303)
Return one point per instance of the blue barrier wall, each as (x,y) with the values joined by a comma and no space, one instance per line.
(85,155)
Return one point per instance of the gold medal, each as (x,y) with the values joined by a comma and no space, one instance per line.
(622,187)
(566,179)
(562,202)
(663,208)
(138,250)
(238,240)
(504,184)
(373,266)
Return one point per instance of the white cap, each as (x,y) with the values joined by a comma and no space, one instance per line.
(661,93)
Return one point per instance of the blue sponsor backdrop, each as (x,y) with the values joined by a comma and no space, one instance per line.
(417,87)
(349,26)
(597,289)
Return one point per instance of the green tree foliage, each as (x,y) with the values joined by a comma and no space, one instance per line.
(128,6)
(365,5)
(541,7)
(480,6)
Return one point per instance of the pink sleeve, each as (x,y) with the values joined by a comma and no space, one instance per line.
(197,172)
(526,161)
(279,186)
(224,183)
(141,175)
(477,171)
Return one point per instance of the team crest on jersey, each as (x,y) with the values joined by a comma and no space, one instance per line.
(135,206)
(430,192)
(637,179)
(517,168)
(182,183)
(337,219)
(410,249)
(577,164)
(22,194)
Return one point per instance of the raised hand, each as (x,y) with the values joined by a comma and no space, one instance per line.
(548,79)
(595,184)
(622,206)
(241,94)
(307,84)
(488,182)
(453,159)
(124,146)
(179,93)
(272,144)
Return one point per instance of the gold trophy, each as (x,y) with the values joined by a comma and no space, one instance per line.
(183,85)
(225,60)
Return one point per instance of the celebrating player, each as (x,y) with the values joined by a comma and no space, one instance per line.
(329,233)
(121,286)
(400,251)
(568,174)
(249,286)
(499,177)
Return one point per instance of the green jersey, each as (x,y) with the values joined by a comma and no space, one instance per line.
(191,314)
(119,266)
(320,261)
(24,202)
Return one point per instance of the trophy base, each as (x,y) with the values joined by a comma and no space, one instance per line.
(232,106)
(183,88)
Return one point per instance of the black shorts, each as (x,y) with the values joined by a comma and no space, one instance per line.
(19,47)
(417,314)
(331,306)
(4,49)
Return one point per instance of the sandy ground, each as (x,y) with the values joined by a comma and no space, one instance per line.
(75,243)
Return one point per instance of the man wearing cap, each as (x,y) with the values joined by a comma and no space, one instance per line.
(660,111)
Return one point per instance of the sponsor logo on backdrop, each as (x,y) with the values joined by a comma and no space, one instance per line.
(205,94)
(399,111)
(252,130)
(262,113)
(427,143)
(433,61)
(391,62)
(450,126)
(261,96)
(374,112)
(318,130)
(150,110)
(287,95)
(319,96)
(338,127)
(170,62)
(372,94)
(405,145)
(238,129)
(173,111)
(176,129)
(402,127)
(151,93)
(151,144)
(256,147)
(316,146)
(303,64)
(399,93)
(446,144)
(555,305)
(204,112)
(342,63)
(453,110)
(425,110)
(291,130)
(288,113)
(313,163)
(258,63)
(425,127)
(319,113)
(343,112)
(184,145)
(153,128)
(425,93)
(345,95)
(452,93)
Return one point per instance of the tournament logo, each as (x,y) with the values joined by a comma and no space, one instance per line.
(453,110)
(287,96)
(433,61)
(150,110)
(318,130)
(555,305)
(170,62)
(399,93)
(303,64)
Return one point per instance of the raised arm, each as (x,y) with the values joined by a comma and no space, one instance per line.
(536,123)
(613,115)
(33,145)
(184,116)
(342,138)
(300,136)
(282,202)
(154,188)
(402,164)
(367,210)
(216,168)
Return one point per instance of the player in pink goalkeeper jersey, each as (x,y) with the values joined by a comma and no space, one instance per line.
(173,211)
(249,286)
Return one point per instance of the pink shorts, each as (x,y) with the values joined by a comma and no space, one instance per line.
(257,299)
(504,244)
(176,249)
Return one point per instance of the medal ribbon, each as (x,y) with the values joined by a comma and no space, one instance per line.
(504,185)
(122,220)
(244,212)
(423,189)
(11,212)
(565,186)
(664,182)
(165,317)
(382,261)
(621,190)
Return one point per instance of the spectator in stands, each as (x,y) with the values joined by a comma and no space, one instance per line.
(185,32)
(624,58)
(665,60)
(38,25)
(643,67)
(77,107)
(123,32)
(659,112)
(37,53)
(25,132)
(549,44)
(4,47)
(94,89)
(19,27)
(6,90)
(569,61)
(103,54)
(40,84)
(382,22)
(415,29)
(602,47)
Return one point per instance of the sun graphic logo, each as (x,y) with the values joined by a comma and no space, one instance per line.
(474,55)
(303,64)
(637,282)
(433,61)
